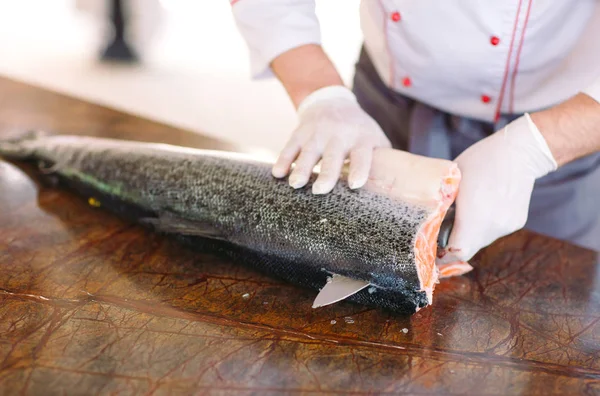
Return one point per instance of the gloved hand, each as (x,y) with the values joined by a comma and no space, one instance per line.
(498,174)
(332,126)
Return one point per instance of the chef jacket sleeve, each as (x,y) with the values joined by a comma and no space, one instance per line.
(272,27)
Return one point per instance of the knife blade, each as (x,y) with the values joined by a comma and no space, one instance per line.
(446,228)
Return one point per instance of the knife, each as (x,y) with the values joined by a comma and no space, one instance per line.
(446,228)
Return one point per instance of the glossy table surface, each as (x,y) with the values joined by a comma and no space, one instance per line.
(91,304)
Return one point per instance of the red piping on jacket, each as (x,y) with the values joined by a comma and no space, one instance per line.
(516,69)
(512,40)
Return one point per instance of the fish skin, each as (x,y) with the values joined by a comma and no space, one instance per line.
(236,209)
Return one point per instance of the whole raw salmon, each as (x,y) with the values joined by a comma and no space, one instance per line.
(384,234)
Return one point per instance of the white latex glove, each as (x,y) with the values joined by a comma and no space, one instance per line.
(332,126)
(498,174)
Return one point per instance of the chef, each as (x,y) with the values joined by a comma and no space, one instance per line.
(510,90)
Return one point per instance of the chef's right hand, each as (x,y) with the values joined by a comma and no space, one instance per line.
(332,127)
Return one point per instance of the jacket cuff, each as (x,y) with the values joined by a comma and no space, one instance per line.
(593,90)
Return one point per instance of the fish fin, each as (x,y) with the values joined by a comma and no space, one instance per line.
(173,224)
(47,169)
(337,288)
(49,180)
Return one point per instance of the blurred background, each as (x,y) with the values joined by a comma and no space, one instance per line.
(193,69)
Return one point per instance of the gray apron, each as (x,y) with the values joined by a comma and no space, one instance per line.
(565,204)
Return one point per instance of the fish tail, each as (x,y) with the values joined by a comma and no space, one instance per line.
(14,144)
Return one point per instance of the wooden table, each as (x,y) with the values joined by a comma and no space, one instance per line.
(91,304)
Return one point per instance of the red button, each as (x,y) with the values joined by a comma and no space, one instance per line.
(406,82)
(485,99)
(494,40)
(396,16)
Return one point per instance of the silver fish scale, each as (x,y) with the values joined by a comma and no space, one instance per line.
(364,235)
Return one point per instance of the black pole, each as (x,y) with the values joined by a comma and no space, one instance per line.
(119,50)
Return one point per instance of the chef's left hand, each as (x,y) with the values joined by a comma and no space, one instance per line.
(498,174)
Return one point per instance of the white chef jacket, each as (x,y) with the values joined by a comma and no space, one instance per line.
(473,58)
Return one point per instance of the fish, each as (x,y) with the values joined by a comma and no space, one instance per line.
(380,240)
